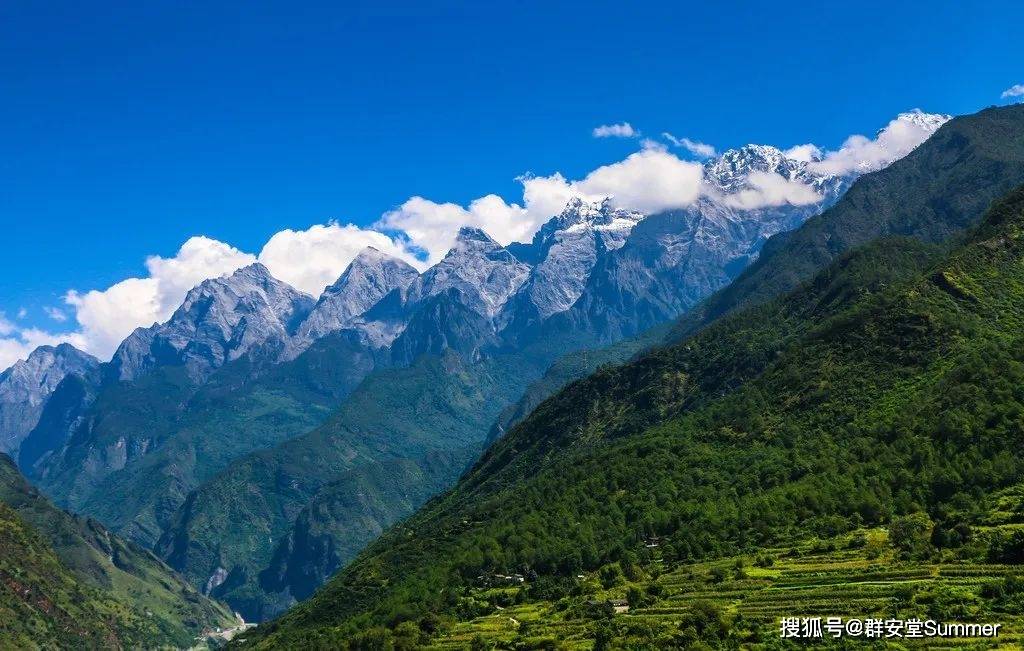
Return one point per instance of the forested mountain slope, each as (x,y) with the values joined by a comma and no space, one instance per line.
(136,449)
(889,385)
(247,363)
(66,582)
(934,192)
(278,522)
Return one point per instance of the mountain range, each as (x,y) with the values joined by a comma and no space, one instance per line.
(259,438)
(862,375)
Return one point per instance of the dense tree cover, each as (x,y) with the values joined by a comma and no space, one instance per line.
(279,521)
(66,582)
(43,604)
(890,385)
(137,449)
(933,193)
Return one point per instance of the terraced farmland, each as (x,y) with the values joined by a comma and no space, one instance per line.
(853,576)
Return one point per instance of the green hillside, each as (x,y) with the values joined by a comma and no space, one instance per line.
(404,435)
(740,600)
(142,446)
(931,194)
(65,582)
(935,192)
(890,386)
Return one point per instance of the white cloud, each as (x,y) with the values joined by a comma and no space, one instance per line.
(649,180)
(698,149)
(651,143)
(545,195)
(771,189)
(309,260)
(22,313)
(897,139)
(106,317)
(432,226)
(56,314)
(621,130)
(11,350)
(6,327)
(17,343)
(804,153)
(1016,90)
(198,258)
(312,259)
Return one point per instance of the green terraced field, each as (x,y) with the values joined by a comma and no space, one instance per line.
(856,575)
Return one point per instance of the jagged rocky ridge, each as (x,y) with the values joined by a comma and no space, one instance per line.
(571,261)
(641,450)
(469,305)
(26,386)
(249,313)
(248,362)
(370,277)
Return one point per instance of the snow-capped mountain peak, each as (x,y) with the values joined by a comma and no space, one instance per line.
(930,122)
(581,215)
(564,251)
(731,171)
(471,241)
(471,234)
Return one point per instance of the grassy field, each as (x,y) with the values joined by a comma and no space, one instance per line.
(739,601)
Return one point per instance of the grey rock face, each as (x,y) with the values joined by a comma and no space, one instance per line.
(478,273)
(367,280)
(439,323)
(247,314)
(25,387)
(671,261)
(730,172)
(565,251)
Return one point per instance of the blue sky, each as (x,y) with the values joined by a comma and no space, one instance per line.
(126,128)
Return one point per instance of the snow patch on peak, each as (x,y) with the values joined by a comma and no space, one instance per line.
(565,250)
(927,121)
(370,255)
(580,216)
(472,234)
(731,172)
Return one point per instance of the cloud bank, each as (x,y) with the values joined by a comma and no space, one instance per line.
(17,342)
(897,139)
(620,130)
(698,149)
(420,230)
(1016,90)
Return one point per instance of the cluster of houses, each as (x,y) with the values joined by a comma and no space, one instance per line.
(500,580)
(610,606)
(614,606)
